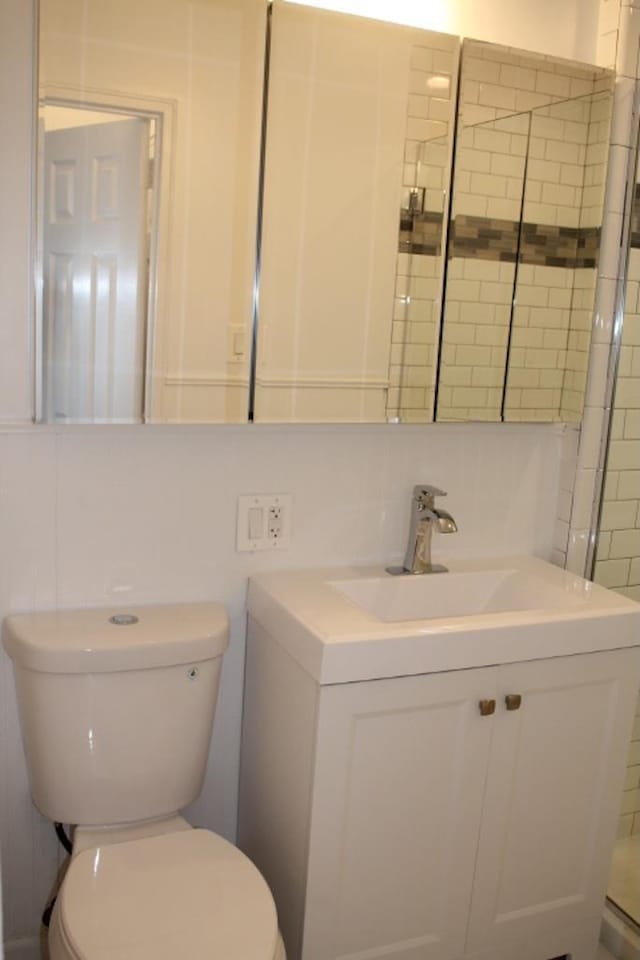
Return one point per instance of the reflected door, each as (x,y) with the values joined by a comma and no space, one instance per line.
(94,271)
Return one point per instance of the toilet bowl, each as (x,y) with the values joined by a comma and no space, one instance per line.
(116,711)
(181,894)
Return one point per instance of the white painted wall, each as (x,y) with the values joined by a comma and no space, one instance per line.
(564,28)
(90,516)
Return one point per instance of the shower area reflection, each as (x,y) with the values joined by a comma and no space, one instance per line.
(520,261)
(617,564)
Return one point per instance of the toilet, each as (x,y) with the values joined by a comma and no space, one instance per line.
(116,710)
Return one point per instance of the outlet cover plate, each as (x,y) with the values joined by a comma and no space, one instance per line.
(255,526)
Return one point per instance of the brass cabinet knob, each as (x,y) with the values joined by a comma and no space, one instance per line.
(513,701)
(487,707)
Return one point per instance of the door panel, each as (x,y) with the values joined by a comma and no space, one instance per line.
(95,271)
(396,809)
(553,787)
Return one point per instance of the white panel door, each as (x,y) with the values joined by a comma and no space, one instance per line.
(95,271)
(396,808)
(552,800)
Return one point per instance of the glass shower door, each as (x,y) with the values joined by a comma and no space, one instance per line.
(618,557)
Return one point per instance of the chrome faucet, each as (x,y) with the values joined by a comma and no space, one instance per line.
(425,518)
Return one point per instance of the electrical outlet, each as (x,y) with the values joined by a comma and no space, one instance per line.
(264,522)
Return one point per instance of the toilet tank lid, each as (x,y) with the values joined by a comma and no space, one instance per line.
(90,641)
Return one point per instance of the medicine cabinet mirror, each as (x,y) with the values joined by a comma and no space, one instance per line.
(149,154)
(370,286)
(360,127)
(526,212)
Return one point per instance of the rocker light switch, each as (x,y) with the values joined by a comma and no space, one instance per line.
(255,526)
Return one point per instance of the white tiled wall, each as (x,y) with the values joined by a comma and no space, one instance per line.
(618,548)
(630,810)
(618,552)
(414,337)
(563,144)
(553,316)
(490,165)
(502,81)
(477,316)
(538,355)
(598,157)
(563,173)
(615,50)
(419,277)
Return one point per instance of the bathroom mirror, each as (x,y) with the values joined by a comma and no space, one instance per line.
(150,203)
(149,143)
(359,138)
(558,256)
(526,210)
(481,268)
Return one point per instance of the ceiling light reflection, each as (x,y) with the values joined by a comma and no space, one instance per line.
(430,15)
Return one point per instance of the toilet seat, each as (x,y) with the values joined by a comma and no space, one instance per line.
(189,893)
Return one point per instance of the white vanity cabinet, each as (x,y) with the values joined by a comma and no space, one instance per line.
(392,819)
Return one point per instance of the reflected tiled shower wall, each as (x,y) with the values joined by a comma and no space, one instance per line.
(567,154)
(585,275)
(618,552)
(428,147)
(489,175)
(564,144)
(556,280)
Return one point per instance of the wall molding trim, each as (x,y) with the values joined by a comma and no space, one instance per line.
(323,383)
(204,380)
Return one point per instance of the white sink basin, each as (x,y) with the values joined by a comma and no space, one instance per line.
(348,624)
(433,596)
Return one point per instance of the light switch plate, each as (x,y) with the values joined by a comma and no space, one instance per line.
(264,521)
(236,343)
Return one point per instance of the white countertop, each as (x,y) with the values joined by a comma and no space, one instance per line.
(336,641)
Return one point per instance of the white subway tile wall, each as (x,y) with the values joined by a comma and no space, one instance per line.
(630,810)
(419,271)
(475,339)
(553,315)
(598,161)
(561,206)
(618,551)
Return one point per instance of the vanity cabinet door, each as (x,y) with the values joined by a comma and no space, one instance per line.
(552,802)
(395,813)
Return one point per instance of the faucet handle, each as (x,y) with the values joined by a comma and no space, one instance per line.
(424,491)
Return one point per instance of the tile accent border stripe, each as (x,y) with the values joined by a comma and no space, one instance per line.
(635,218)
(487,238)
(420,233)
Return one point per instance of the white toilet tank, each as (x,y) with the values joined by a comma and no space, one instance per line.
(117,710)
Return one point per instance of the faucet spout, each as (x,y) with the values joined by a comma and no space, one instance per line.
(443,521)
(425,518)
